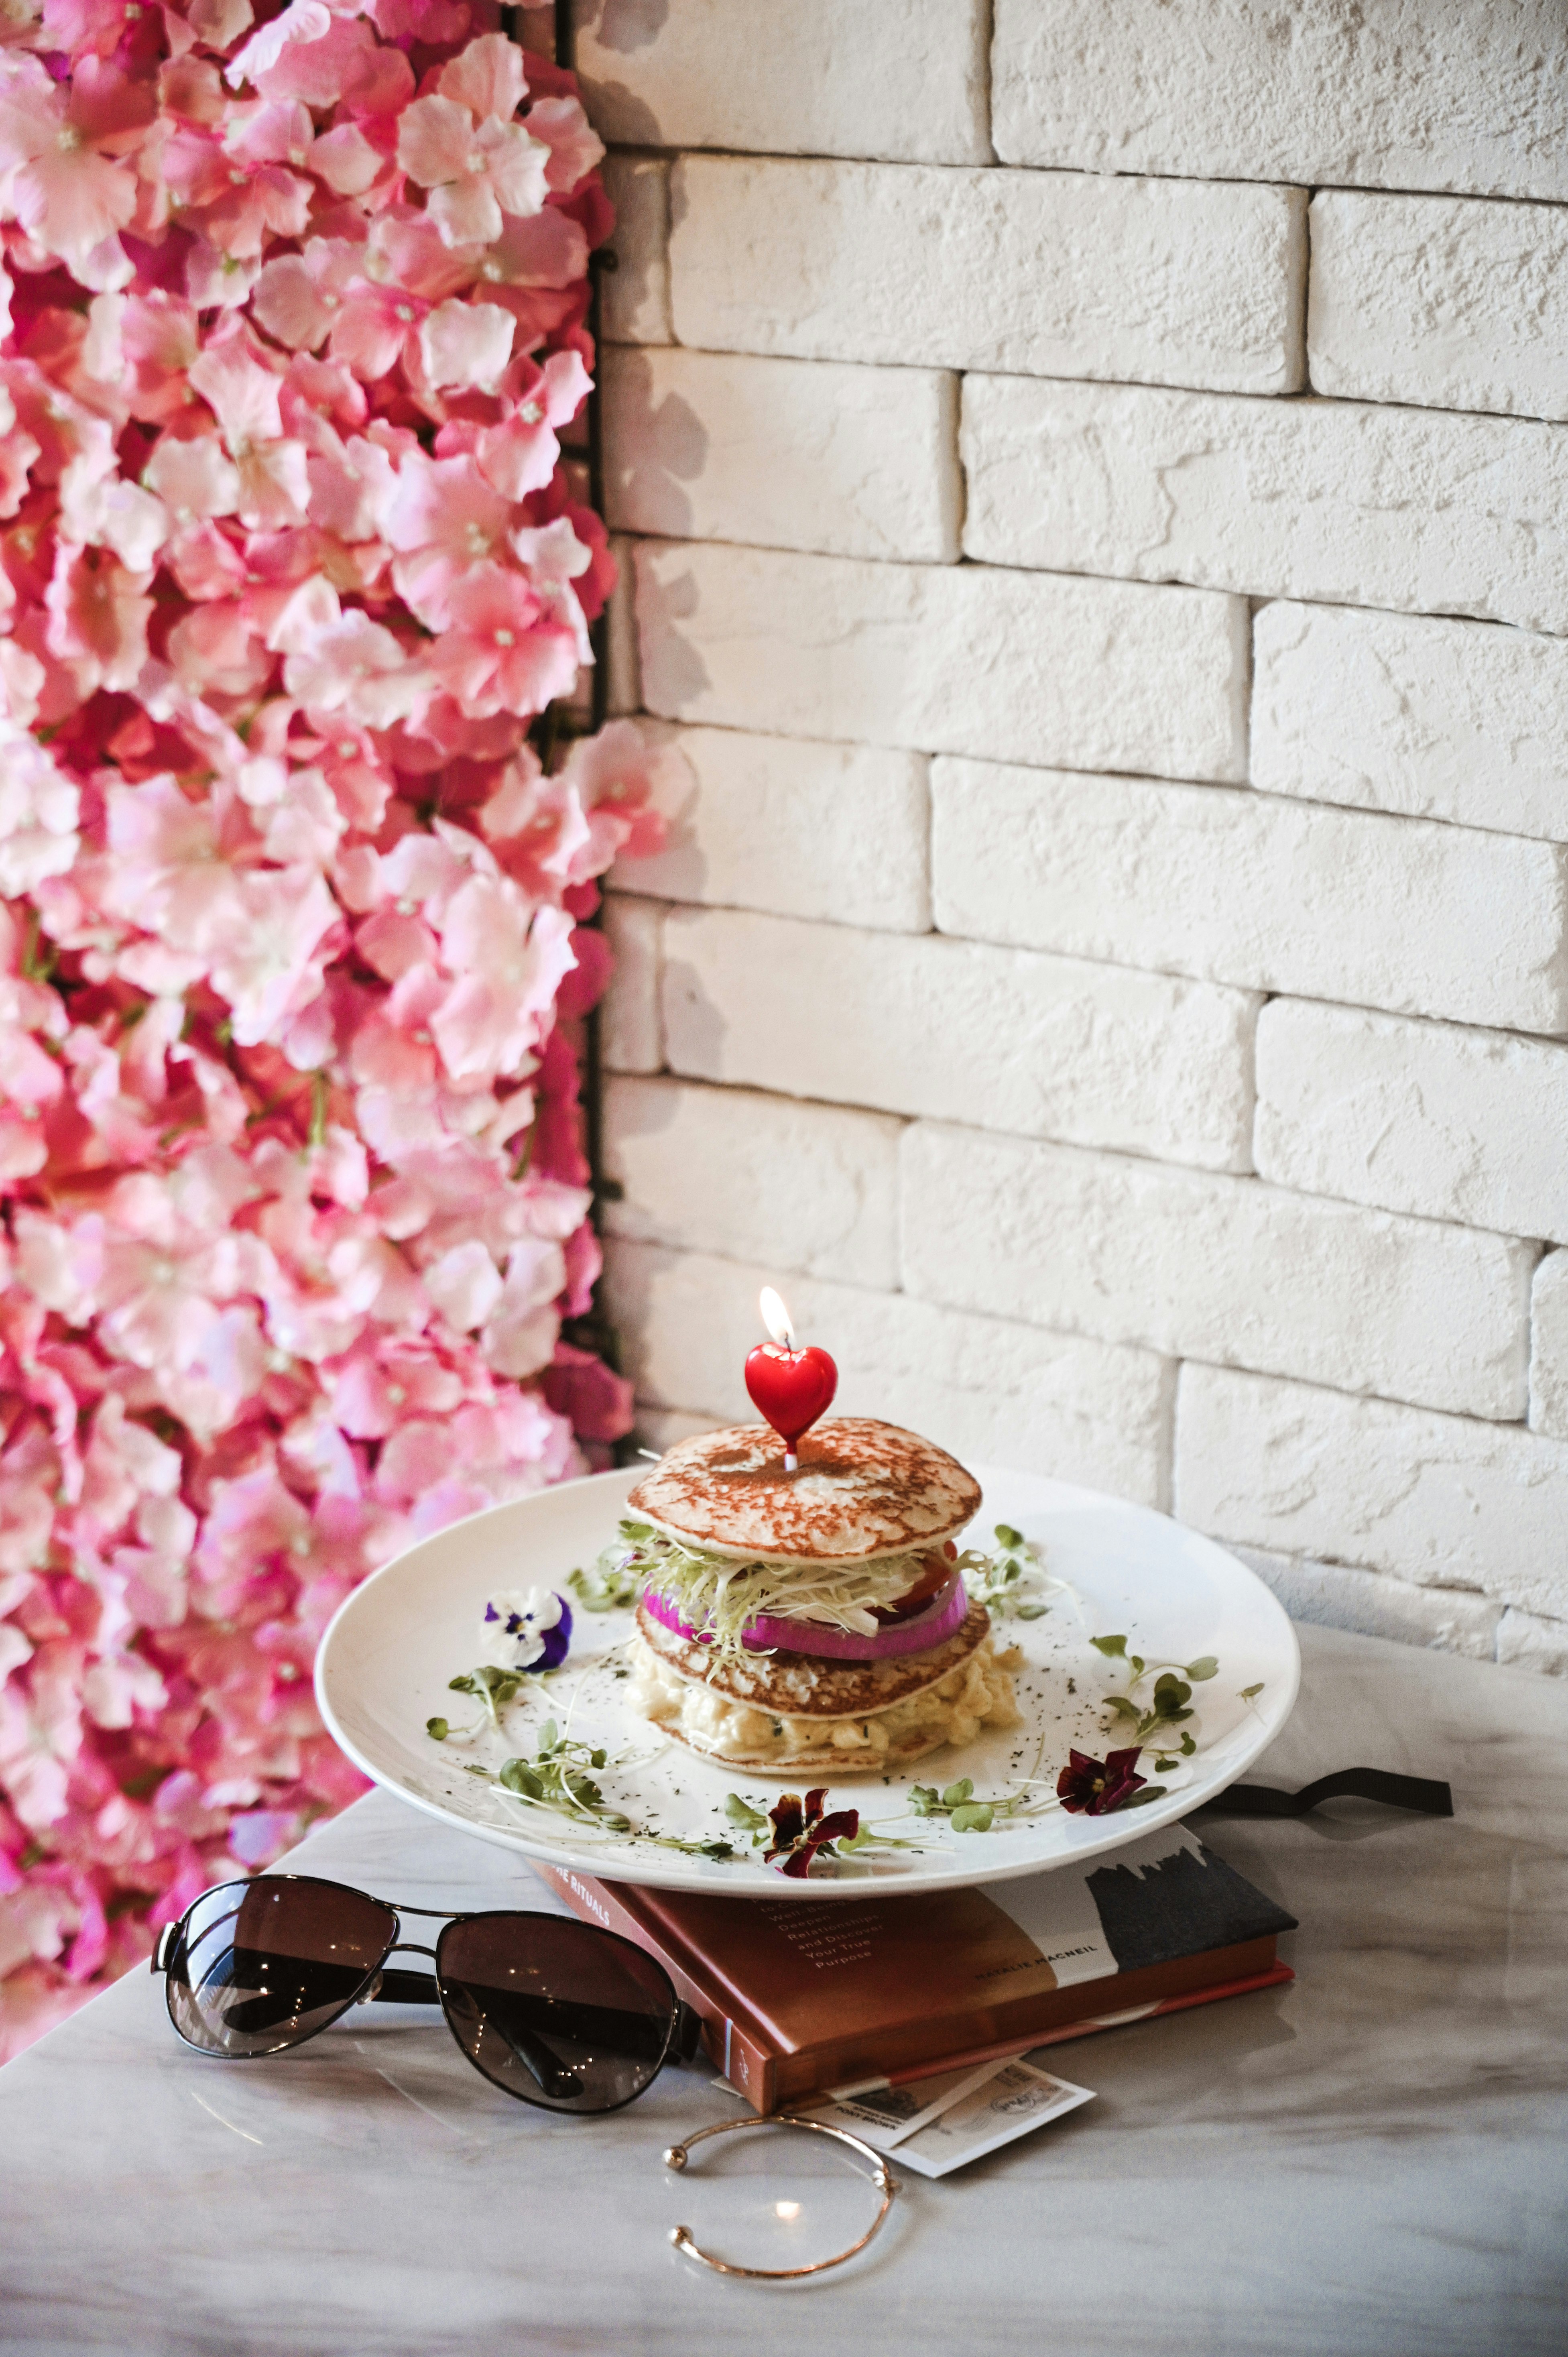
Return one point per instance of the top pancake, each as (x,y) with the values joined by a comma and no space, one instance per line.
(863,1489)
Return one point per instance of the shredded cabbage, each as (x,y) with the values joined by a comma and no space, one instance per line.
(719,1595)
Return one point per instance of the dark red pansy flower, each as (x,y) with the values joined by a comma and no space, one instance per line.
(801,1830)
(1094,1787)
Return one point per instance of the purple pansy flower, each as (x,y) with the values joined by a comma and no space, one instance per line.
(801,1830)
(527,1630)
(1095,1787)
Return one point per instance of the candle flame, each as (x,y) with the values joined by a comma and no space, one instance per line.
(776,1317)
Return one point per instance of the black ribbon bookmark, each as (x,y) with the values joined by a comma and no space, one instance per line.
(1424,1795)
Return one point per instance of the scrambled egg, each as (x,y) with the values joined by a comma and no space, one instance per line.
(978,1692)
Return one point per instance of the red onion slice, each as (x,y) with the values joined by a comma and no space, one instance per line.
(940,1619)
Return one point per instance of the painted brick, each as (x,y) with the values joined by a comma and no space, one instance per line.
(837,832)
(1424,1118)
(660,1429)
(993,1392)
(1239,887)
(630,1039)
(1098,1055)
(1446,301)
(1466,94)
(906,79)
(1438,1499)
(947,659)
(783,454)
(635,295)
(1358,505)
(1529,1642)
(805,1187)
(1158,282)
(625,685)
(1224,1269)
(1401,712)
(1549,1347)
(1336,1596)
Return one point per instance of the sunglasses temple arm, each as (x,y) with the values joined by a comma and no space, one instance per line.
(687,2042)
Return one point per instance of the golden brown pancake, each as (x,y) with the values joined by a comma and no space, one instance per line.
(790,1715)
(861,1488)
(807,1686)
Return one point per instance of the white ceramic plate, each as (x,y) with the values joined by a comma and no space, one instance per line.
(384,1665)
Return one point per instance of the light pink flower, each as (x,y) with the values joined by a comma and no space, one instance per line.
(461,143)
(575,147)
(275,963)
(59,150)
(98,616)
(244,393)
(39,808)
(498,654)
(510,959)
(442,518)
(466,344)
(359,669)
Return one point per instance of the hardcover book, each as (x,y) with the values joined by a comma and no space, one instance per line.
(801,1998)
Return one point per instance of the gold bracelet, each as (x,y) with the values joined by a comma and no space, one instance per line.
(882,2176)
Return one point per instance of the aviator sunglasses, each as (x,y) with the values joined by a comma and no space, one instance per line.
(556,2012)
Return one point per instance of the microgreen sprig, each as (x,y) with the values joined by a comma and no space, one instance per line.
(610,1587)
(1166,1707)
(495,1689)
(556,1777)
(1011,1582)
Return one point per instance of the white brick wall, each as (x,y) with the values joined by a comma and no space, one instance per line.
(1468,94)
(1353,503)
(1453,1124)
(838,831)
(636,293)
(998,1394)
(728,1170)
(1045,1047)
(1201,1266)
(946,658)
(1239,887)
(631,1038)
(1549,1357)
(1162,282)
(783,454)
(1375,1604)
(1440,1499)
(1440,300)
(905,79)
(1427,718)
(1097,512)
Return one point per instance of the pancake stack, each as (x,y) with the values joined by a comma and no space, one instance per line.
(814,1618)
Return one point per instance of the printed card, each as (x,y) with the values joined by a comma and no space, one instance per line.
(1015,2100)
(886,2116)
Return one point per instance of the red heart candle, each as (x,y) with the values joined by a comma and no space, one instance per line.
(792,1388)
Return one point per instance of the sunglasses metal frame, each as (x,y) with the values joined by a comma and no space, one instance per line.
(382,1986)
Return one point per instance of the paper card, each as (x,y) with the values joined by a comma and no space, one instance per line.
(886,2116)
(1016,2099)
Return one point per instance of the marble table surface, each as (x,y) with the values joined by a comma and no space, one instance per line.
(1374,2159)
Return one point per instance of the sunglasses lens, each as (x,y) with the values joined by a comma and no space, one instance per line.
(566,2016)
(264,1965)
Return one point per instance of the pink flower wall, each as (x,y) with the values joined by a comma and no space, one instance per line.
(292,941)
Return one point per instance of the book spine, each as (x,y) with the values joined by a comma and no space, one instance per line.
(1276,1976)
(746,2063)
